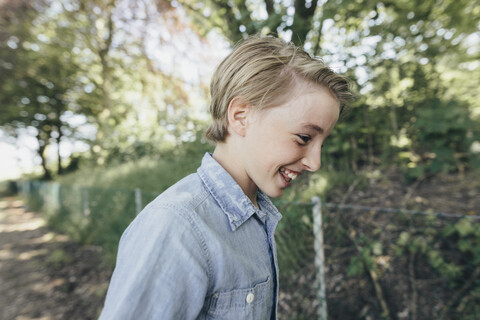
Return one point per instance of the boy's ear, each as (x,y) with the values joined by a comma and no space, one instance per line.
(238,113)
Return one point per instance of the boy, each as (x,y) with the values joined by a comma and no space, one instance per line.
(204,249)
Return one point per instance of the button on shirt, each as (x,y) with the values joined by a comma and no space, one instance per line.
(200,250)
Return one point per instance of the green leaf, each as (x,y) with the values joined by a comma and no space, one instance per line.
(464,227)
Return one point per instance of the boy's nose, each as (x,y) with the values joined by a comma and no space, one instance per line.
(312,159)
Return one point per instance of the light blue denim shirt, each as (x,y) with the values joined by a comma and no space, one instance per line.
(200,250)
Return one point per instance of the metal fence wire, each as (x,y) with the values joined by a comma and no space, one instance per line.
(336,261)
(380,263)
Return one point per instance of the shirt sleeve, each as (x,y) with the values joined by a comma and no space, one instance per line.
(162,269)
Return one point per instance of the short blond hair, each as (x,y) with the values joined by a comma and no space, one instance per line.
(261,71)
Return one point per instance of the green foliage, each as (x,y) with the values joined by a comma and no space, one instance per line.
(443,135)
(356,266)
(447,269)
(413,67)
(110,196)
(35,77)
(423,249)
(365,260)
(58,257)
(238,18)
(467,236)
(294,237)
(69,73)
(88,215)
(154,173)
(452,252)
(327,183)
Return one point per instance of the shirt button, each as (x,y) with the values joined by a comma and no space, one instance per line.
(250,297)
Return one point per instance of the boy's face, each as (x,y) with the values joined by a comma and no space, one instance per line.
(283,141)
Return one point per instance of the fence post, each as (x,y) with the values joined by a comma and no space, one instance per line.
(319,259)
(138,200)
(55,196)
(26,187)
(86,209)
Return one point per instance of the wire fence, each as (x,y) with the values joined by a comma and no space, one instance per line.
(336,261)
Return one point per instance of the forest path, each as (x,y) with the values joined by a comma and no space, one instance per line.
(44,275)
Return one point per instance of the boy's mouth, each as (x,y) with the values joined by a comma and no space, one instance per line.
(288,174)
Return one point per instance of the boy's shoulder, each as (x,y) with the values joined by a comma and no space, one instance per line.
(186,194)
(177,204)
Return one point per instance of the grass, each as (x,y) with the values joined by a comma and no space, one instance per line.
(152,174)
(109,194)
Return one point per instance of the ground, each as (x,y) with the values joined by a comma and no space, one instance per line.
(453,193)
(43,275)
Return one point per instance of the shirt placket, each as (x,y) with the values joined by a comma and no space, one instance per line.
(270,225)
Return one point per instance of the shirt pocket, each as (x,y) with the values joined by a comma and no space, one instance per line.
(249,303)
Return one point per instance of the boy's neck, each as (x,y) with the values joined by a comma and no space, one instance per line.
(232,163)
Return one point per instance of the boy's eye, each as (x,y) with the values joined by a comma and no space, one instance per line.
(305,139)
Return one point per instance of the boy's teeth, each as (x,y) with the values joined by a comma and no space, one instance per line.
(291,175)
(288,173)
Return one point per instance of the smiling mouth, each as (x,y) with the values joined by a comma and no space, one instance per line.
(288,174)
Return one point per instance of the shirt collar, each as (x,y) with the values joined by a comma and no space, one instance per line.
(230,197)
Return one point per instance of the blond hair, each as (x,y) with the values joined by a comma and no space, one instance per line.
(261,71)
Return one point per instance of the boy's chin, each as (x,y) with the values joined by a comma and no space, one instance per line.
(274,193)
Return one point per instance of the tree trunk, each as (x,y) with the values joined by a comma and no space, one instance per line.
(41,150)
(302,21)
(318,43)
(104,60)
(393,118)
(107,83)
(369,135)
(59,158)
(354,158)
(105,41)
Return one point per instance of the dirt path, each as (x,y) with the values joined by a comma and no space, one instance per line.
(44,275)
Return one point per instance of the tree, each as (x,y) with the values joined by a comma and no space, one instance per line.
(93,59)
(401,56)
(237,19)
(413,46)
(35,79)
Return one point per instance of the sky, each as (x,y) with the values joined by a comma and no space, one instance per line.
(9,167)
(15,159)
